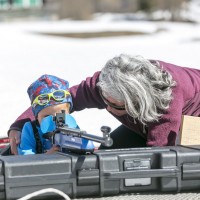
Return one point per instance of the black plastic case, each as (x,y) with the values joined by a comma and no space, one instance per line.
(106,172)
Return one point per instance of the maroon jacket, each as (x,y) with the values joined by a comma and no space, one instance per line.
(186,101)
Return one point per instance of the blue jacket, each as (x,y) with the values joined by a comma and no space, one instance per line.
(27,145)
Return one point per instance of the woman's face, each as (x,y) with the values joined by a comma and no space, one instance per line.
(52,110)
(114,105)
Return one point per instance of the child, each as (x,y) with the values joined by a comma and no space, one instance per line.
(49,95)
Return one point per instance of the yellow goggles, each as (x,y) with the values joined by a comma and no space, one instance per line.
(57,95)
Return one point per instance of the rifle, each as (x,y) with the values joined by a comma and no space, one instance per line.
(72,139)
(61,127)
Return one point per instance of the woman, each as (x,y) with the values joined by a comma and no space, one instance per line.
(148,97)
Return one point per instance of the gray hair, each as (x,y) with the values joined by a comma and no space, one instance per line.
(144,87)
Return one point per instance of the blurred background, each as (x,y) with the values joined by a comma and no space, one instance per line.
(170,10)
(74,38)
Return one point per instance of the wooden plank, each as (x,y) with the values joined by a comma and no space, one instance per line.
(190,130)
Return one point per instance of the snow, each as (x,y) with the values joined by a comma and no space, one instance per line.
(24,56)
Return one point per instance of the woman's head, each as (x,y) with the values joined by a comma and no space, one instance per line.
(141,85)
(48,91)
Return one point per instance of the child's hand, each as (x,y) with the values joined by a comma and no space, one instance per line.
(54,149)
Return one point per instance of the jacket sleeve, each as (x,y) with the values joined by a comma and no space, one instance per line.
(21,120)
(165,131)
(86,94)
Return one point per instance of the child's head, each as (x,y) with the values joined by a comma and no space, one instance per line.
(49,94)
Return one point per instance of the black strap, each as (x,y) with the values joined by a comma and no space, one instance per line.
(37,138)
